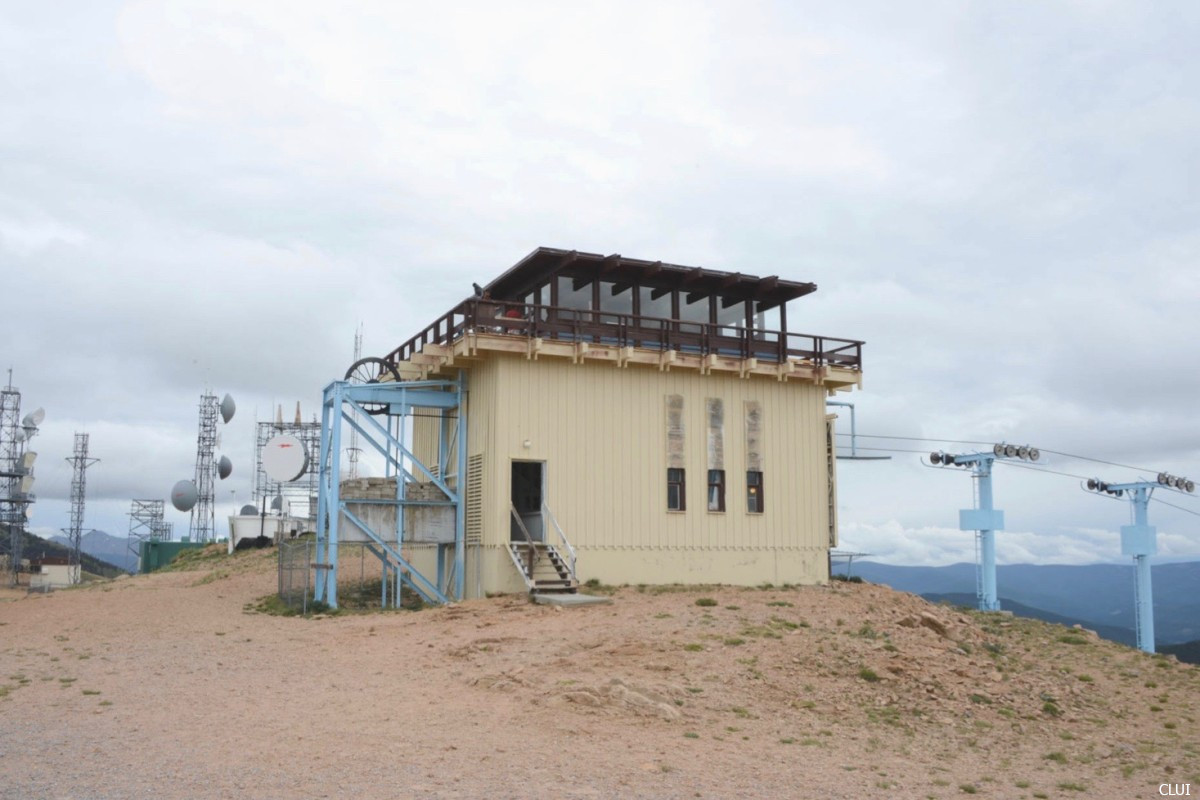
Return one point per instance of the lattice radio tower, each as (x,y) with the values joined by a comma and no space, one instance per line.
(16,470)
(203,524)
(146,522)
(79,463)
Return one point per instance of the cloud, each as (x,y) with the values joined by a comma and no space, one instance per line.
(997,199)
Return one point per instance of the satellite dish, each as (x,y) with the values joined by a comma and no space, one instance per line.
(1023,453)
(1010,450)
(1034,454)
(277,503)
(20,435)
(184,495)
(1093,484)
(224,467)
(33,418)
(998,449)
(284,458)
(1162,478)
(248,511)
(227,407)
(935,458)
(1190,486)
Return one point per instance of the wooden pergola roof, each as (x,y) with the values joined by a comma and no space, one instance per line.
(547,262)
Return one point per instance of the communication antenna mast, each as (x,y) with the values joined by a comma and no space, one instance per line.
(984,519)
(353,451)
(203,522)
(16,470)
(146,523)
(79,463)
(1140,540)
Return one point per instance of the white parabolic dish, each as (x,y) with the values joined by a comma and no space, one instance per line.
(284,458)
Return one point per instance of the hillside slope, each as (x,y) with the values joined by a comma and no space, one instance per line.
(848,691)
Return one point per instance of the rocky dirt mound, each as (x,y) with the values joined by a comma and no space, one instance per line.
(840,691)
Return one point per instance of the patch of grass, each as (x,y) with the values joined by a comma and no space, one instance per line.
(1151,685)
(780,604)
(1070,638)
(705,602)
(981,699)
(1057,757)
(738,711)
(67,681)
(106,702)
(695,689)
(788,740)
(1022,784)
(967,788)
(1085,678)
(1068,786)
(1050,708)
(734,608)
(1169,726)
(693,647)
(91,691)
(1040,795)
(691,735)
(662,615)
(868,675)
(734,641)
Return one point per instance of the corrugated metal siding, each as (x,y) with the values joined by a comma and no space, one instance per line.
(600,430)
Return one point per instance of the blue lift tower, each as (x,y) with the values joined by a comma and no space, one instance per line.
(984,519)
(1140,541)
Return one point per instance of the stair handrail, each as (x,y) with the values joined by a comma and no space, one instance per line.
(546,512)
(531,551)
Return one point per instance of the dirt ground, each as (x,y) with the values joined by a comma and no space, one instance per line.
(172,686)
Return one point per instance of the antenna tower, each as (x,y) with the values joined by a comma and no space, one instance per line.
(79,463)
(146,522)
(16,470)
(203,523)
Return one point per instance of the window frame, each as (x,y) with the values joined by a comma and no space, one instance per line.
(680,485)
(754,492)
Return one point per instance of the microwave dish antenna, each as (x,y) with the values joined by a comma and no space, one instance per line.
(228,407)
(184,495)
(224,467)
(284,458)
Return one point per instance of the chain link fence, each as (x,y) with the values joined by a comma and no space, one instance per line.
(359,579)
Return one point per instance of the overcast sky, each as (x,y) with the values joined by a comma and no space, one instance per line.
(998,197)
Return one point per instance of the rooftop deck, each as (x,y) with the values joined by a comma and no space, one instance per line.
(628,330)
(568,296)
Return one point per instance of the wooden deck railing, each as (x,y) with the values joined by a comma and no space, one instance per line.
(627,330)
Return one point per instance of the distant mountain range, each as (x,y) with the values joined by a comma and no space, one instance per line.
(105,547)
(36,547)
(1097,596)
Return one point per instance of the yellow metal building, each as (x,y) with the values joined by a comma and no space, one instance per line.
(638,421)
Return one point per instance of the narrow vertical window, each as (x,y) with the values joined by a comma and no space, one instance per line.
(676,495)
(754,492)
(716,490)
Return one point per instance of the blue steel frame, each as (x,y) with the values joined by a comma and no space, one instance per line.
(986,520)
(343,403)
(1140,540)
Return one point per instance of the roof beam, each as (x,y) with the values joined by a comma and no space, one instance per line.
(693,275)
(610,263)
(657,293)
(694,296)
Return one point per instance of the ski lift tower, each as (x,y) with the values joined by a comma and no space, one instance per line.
(1140,541)
(984,520)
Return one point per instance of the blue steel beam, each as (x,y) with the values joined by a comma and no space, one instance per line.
(1140,541)
(330,507)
